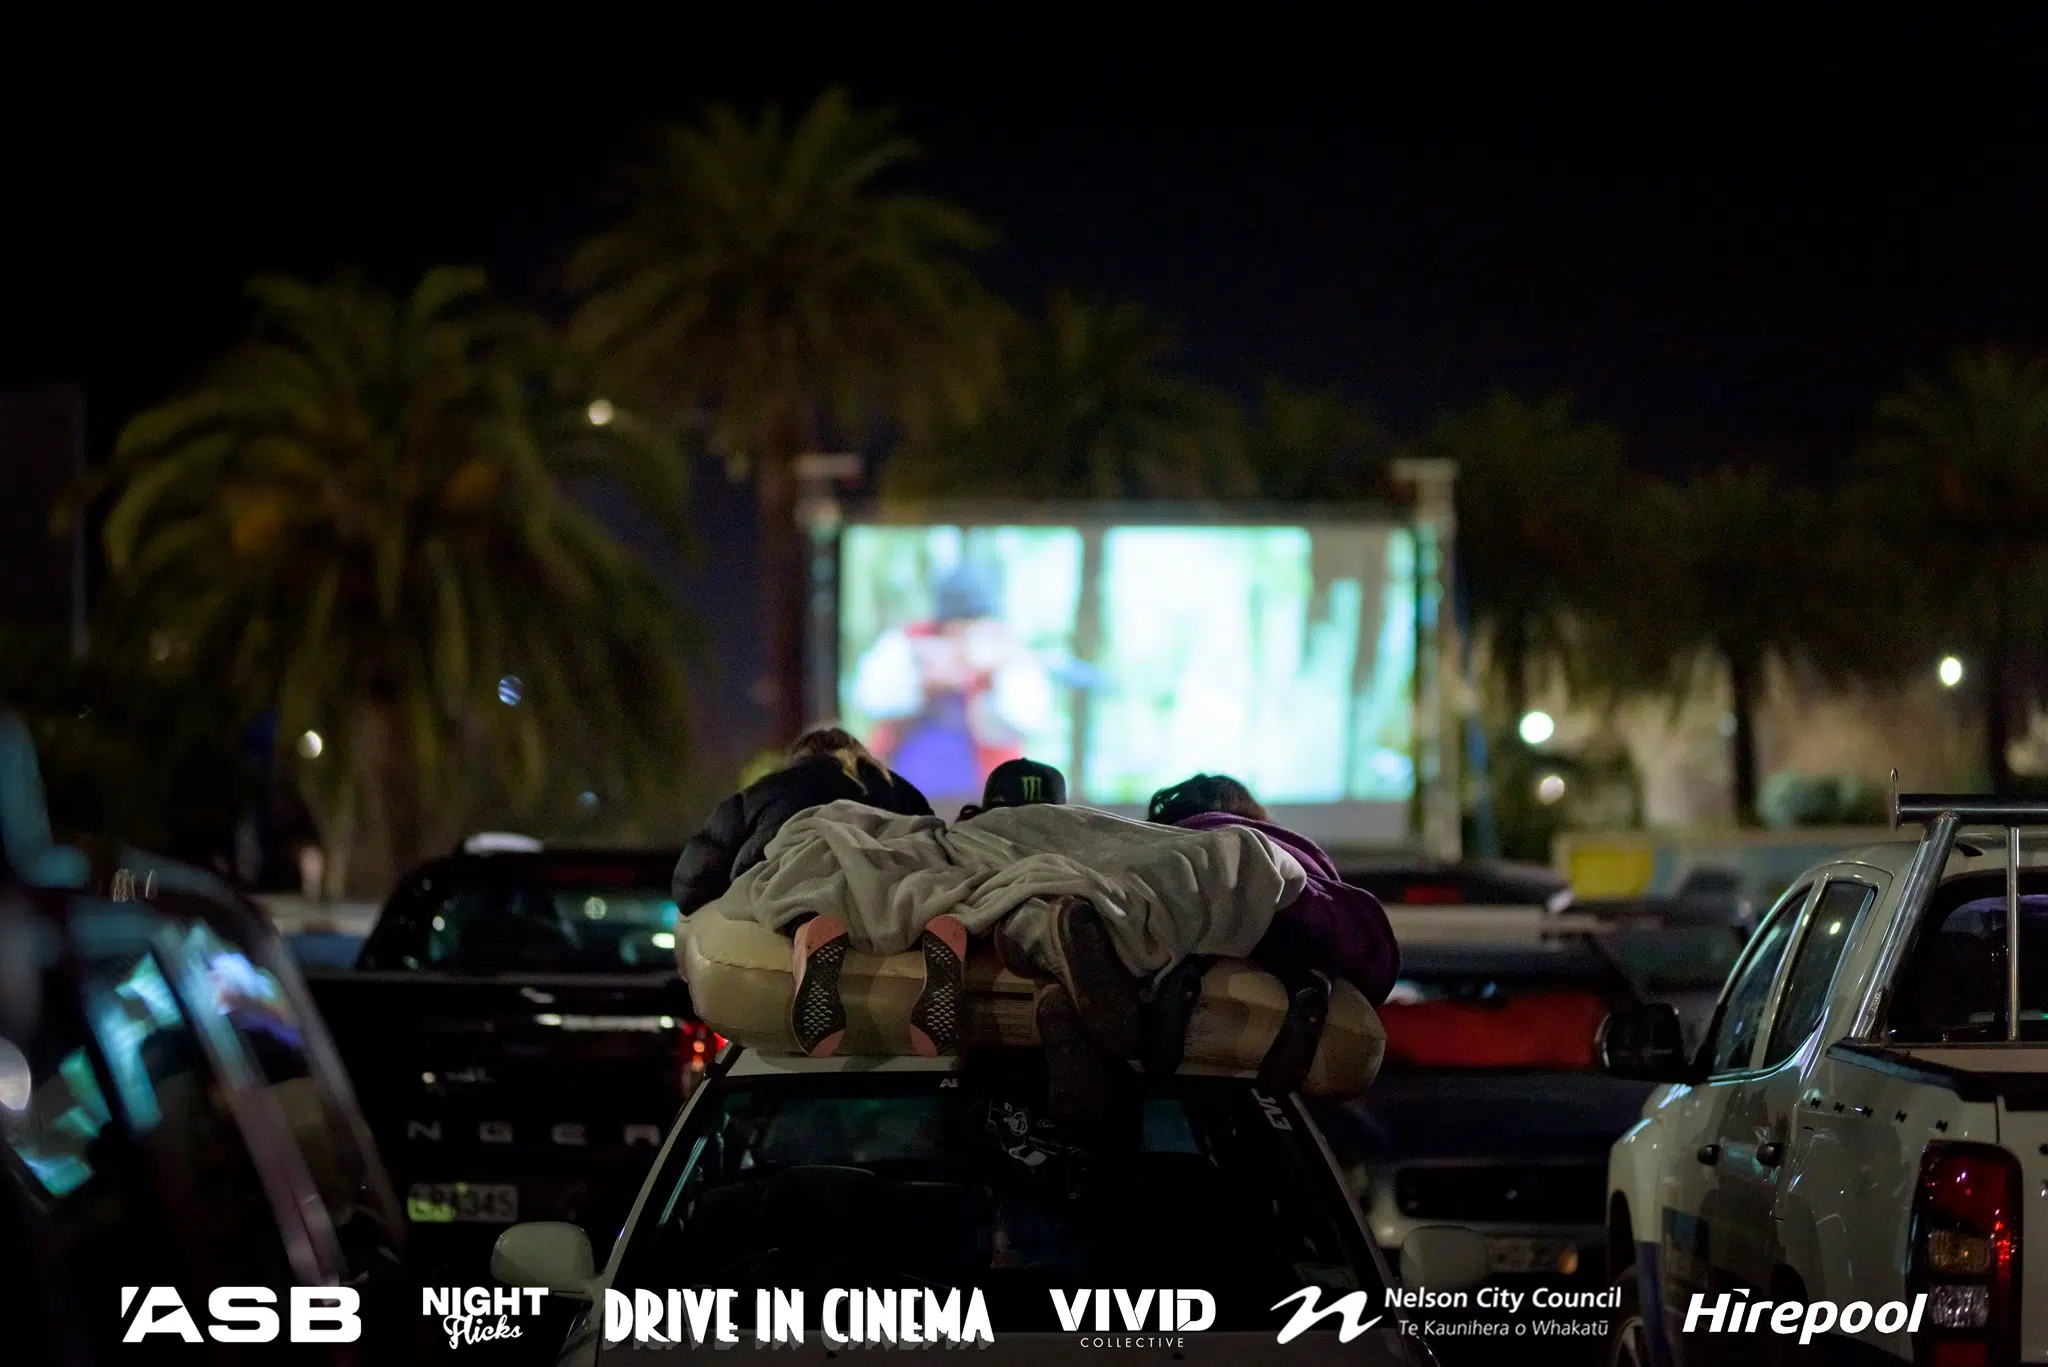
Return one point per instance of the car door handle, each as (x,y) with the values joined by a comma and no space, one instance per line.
(1770,1155)
(1709,1154)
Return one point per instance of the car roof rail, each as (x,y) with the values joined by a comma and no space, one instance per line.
(500,842)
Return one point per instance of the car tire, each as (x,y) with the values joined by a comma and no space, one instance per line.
(1628,1335)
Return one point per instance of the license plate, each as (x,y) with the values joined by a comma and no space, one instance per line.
(441,1203)
(1559,1256)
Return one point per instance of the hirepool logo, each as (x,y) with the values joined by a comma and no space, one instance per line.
(480,1314)
(244,1314)
(1737,1314)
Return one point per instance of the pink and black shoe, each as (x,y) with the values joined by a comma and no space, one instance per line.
(817,1016)
(937,1019)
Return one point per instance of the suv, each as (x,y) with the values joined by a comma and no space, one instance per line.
(1866,1123)
(947,1173)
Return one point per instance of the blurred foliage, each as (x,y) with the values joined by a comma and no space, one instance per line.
(143,752)
(1828,800)
(1085,409)
(356,521)
(1955,485)
(759,277)
(1600,791)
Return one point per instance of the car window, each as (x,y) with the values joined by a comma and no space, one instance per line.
(553,922)
(892,1182)
(1953,985)
(1734,1039)
(181,1112)
(1835,916)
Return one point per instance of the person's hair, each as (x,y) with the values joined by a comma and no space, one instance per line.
(1200,794)
(834,743)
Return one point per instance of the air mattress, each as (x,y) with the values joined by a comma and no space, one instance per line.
(740,983)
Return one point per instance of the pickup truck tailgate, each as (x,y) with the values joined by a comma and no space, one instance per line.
(2023,1132)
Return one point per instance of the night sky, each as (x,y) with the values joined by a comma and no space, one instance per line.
(1722,237)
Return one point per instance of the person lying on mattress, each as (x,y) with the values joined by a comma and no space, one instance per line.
(1330,930)
(824,765)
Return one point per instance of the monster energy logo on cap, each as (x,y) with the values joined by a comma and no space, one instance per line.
(1023,783)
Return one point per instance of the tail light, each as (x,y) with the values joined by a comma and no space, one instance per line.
(1966,1256)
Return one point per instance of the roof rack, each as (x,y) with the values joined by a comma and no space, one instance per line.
(1944,815)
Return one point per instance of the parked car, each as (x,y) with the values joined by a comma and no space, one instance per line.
(1491,1110)
(520,1039)
(172,1114)
(908,1173)
(1867,1118)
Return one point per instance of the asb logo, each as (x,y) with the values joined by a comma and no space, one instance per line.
(243,1314)
(1349,1308)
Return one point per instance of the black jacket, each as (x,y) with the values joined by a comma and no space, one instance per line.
(740,827)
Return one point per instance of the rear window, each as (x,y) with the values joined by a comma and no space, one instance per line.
(964,1181)
(535,919)
(1953,986)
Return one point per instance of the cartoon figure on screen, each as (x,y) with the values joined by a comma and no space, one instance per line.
(955,695)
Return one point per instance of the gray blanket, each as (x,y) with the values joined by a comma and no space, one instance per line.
(1165,892)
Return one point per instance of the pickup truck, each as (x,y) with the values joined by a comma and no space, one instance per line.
(519,1039)
(1863,1130)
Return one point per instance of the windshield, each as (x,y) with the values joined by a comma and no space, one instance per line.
(1953,987)
(531,918)
(962,1180)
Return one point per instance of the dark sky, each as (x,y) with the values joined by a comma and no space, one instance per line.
(1710,233)
(1721,236)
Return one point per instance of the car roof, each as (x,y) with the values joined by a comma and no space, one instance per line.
(1977,851)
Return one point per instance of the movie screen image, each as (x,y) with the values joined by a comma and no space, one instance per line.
(1135,655)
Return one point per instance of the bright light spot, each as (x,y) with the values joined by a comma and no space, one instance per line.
(427,1078)
(547,1018)
(663,939)
(588,799)
(595,908)
(1834,927)
(1550,788)
(310,745)
(17,1081)
(440,923)
(1537,727)
(600,412)
(668,1022)
(1949,671)
(510,690)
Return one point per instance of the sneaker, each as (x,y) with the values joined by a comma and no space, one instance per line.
(937,1018)
(816,1014)
(1169,1007)
(1080,957)
(1077,1086)
(1293,1050)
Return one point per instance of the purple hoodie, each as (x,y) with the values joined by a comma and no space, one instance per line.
(1349,923)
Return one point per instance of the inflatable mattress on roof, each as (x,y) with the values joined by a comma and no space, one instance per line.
(740,983)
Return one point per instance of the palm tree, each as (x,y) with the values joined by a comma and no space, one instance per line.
(357,518)
(1956,478)
(760,277)
(1085,410)
(1310,446)
(1538,493)
(1734,574)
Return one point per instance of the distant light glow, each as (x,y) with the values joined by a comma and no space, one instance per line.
(511,690)
(600,412)
(440,923)
(594,908)
(587,798)
(663,939)
(1949,671)
(17,1080)
(1550,788)
(310,745)
(1537,727)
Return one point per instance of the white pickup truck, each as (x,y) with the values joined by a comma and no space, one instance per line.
(1863,1131)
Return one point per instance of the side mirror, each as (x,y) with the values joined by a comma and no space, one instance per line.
(1646,1043)
(546,1253)
(1445,1258)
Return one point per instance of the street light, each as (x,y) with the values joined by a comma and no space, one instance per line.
(1537,727)
(310,745)
(1949,671)
(600,412)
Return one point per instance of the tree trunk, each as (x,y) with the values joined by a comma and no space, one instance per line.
(1997,720)
(1745,678)
(1512,641)
(782,592)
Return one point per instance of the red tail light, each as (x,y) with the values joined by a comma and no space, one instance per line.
(1966,1255)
